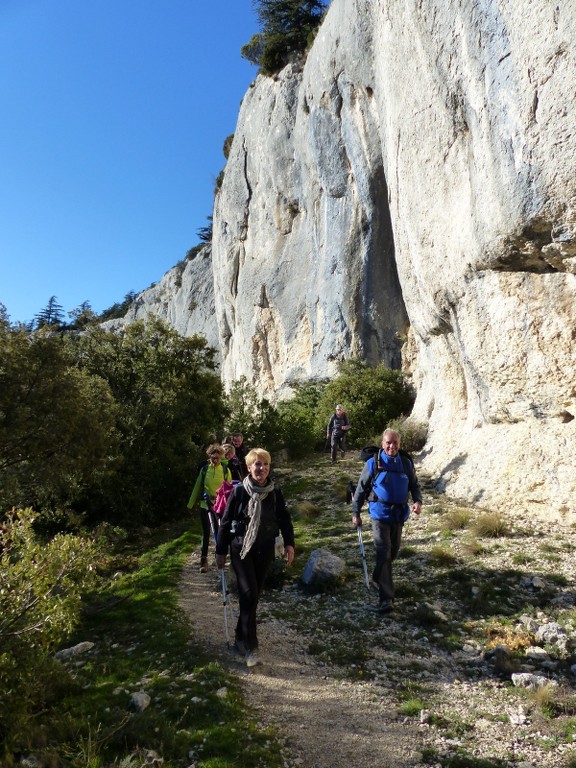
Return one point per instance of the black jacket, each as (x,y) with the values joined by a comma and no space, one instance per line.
(336,423)
(274,518)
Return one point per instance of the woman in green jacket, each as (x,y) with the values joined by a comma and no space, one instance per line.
(210,478)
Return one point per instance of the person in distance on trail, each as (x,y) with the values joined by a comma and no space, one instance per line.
(254,514)
(210,478)
(336,432)
(241,451)
(386,480)
(231,460)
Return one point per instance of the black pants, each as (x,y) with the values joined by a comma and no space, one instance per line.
(250,574)
(387,538)
(207,534)
(338,442)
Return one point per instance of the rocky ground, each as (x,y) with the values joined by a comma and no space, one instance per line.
(475,667)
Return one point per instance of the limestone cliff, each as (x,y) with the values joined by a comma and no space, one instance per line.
(183,298)
(418,173)
(409,195)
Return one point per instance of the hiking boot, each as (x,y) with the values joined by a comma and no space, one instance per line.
(252,658)
(204,565)
(385,606)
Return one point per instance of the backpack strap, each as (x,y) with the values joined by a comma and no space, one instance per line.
(407,464)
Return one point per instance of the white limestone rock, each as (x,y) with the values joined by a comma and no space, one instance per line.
(419,173)
(183,298)
(408,195)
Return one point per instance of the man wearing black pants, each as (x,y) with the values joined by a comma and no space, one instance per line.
(336,432)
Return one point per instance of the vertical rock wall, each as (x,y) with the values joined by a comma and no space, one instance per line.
(305,268)
(418,176)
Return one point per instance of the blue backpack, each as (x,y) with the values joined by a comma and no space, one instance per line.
(367,453)
(391,481)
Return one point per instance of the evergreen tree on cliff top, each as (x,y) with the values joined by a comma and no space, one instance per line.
(287,29)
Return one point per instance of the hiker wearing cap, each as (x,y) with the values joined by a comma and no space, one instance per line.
(255,513)
(385,482)
(210,478)
(336,432)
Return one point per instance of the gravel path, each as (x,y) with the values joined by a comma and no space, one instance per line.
(431,684)
(323,722)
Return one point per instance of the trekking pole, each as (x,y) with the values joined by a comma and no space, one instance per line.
(363,556)
(226,599)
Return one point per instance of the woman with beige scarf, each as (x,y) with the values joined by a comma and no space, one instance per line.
(255,513)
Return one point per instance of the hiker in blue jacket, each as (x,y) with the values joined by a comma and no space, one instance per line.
(385,482)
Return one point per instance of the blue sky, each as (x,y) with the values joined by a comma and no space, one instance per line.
(114,114)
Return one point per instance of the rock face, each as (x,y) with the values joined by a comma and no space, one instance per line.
(183,298)
(415,182)
(409,196)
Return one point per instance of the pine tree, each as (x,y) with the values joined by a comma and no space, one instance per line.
(287,29)
(81,316)
(205,233)
(289,16)
(52,315)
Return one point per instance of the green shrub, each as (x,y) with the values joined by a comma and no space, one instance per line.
(48,409)
(414,434)
(372,398)
(167,398)
(104,424)
(255,417)
(41,583)
(297,419)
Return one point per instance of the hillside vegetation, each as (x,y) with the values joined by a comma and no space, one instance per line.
(474,590)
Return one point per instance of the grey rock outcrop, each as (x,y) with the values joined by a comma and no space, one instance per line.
(408,195)
(77,650)
(183,298)
(415,183)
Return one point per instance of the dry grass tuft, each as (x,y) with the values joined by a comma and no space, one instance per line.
(472,547)
(491,525)
(456,519)
(307,510)
(441,555)
(512,637)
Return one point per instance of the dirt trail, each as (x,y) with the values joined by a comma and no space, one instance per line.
(324,722)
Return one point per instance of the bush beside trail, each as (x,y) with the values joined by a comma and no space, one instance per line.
(472,603)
